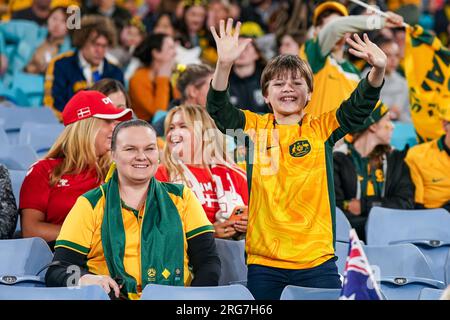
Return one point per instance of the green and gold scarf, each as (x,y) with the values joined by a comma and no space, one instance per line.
(162,242)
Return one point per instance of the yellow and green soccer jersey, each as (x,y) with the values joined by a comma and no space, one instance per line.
(290,176)
(333,81)
(429,165)
(81,230)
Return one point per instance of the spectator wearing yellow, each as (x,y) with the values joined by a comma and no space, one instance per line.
(429,164)
(134,230)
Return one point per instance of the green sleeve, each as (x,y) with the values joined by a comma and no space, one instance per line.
(225,115)
(314,55)
(353,111)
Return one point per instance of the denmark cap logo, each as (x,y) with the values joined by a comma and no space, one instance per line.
(84,112)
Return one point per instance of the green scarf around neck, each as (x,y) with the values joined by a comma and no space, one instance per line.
(162,242)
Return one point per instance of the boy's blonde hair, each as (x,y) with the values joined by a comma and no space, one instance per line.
(76,146)
(282,65)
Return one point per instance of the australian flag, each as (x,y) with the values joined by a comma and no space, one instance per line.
(359,280)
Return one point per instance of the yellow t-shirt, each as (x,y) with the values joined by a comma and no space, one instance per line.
(81,231)
(291,200)
(429,165)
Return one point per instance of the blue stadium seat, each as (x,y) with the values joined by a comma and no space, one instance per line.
(162,292)
(158,115)
(40,136)
(342,226)
(18,157)
(403,134)
(428,229)
(402,270)
(23,261)
(93,292)
(15,117)
(17,177)
(341,251)
(32,86)
(430,294)
(302,293)
(3,137)
(232,256)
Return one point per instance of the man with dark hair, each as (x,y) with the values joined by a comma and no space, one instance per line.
(80,69)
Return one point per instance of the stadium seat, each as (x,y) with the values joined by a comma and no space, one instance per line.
(402,135)
(232,257)
(15,117)
(342,226)
(40,136)
(430,294)
(23,261)
(341,251)
(93,292)
(428,229)
(158,115)
(32,86)
(302,293)
(3,137)
(17,157)
(162,292)
(402,270)
(17,177)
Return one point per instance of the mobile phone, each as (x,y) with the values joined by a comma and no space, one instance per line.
(237,213)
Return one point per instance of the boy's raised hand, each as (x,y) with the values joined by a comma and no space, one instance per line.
(227,42)
(367,50)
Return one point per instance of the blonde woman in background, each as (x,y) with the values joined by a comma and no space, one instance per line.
(77,162)
(195,155)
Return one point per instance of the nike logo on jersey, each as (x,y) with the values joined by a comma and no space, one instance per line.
(436,180)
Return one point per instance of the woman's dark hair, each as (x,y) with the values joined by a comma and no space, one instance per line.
(128,124)
(193,75)
(152,42)
(108,86)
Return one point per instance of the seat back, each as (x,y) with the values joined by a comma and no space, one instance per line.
(403,134)
(342,226)
(93,292)
(390,226)
(17,177)
(302,293)
(40,136)
(18,157)
(402,270)
(341,251)
(430,294)
(162,292)
(428,229)
(232,257)
(23,259)
(3,137)
(32,86)
(15,117)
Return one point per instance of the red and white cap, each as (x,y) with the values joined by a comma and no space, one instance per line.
(88,103)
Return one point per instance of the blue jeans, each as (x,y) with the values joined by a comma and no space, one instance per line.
(267,283)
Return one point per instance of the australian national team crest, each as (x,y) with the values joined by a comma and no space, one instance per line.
(300,148)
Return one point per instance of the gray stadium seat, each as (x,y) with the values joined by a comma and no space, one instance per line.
(232,257)
(428,229)
(23,261)
(302,293)
(93,292)
(162,292)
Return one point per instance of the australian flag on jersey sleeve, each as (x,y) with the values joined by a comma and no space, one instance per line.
(359,280)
